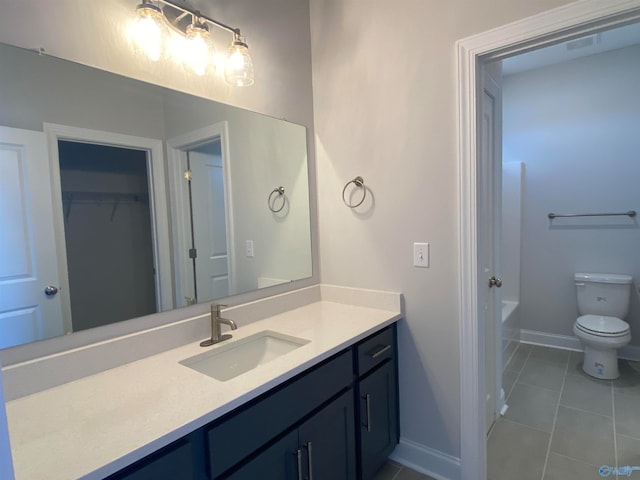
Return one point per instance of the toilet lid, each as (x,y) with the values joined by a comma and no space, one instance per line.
(599,324)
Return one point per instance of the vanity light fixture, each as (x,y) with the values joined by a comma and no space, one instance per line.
(238,69)
(199,50)
(150,34)
(148,31)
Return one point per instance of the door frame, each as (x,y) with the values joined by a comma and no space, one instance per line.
(560,24)
(176,156)
(157,205)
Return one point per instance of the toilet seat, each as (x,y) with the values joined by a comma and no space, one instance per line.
(602,326)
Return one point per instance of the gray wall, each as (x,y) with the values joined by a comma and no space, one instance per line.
(264,154)
(37,89)
(577,128)
(384,80)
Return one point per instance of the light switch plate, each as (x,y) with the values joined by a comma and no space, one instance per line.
(250,248)
(421,255)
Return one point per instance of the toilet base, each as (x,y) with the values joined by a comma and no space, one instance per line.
(601,363)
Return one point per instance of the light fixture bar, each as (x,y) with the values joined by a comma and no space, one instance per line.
(197,14)
(198,50)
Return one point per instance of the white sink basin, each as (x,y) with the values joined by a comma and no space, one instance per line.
(227,361)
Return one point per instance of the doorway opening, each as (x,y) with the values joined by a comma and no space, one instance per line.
(108,235)
(567,121)
(202,210)
(142,162)
(562,24)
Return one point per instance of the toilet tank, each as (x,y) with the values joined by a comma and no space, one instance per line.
(603,294)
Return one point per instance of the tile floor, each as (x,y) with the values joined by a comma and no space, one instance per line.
(561,423)
(395,471)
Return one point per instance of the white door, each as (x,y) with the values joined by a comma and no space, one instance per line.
(209,225)
(490,191)
(28,263)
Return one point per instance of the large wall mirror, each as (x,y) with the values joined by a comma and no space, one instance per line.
(120,199)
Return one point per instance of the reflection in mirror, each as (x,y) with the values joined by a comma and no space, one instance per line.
(120,198)
(107,233)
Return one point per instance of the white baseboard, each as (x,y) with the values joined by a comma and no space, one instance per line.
(566,342)
(420,458)
(630,352)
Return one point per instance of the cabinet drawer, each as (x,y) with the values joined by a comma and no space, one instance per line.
(376,349)
(250,428)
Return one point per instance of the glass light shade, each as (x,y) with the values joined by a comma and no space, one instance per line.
(148,31)
(238,69)
(198,51)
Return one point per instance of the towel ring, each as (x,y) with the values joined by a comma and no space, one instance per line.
(271,201)
(358,182)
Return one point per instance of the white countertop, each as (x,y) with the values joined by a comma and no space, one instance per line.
(97,425)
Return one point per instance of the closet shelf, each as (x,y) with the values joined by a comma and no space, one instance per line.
(101,198)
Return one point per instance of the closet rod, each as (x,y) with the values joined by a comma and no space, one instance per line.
(630,213)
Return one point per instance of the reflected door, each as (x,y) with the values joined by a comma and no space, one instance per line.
(29,303)
(209,222)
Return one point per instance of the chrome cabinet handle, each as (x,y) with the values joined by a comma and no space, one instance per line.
(310,459)
(495,281)
(367,400)
(298,455)
(50,290)
(381,351)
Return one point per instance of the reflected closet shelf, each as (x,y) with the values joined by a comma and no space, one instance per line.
(101,198)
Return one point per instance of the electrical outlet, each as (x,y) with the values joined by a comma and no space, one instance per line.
(421,255)
(250,248)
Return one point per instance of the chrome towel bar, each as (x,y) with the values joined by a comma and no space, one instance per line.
(630,213)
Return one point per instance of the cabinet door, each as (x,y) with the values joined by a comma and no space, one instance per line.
(248,429)
(328,442)
(378,418)
(278,462)
(172,463)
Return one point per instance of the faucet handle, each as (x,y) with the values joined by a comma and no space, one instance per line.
(215,308)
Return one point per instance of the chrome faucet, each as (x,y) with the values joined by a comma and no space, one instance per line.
(216,326)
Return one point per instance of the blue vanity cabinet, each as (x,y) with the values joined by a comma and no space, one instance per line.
(337,420)
(278,462)
(232,439)
(377,391)
(321,448)
(328,442)
(181,460)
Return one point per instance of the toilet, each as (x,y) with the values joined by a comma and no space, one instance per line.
(603,301)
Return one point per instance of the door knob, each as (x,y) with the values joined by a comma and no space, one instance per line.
(50,290)
(494,281)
